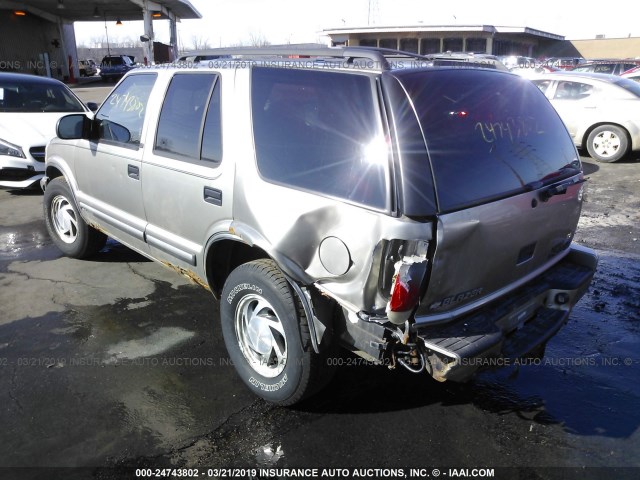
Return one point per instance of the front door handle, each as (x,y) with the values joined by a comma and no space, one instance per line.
(133,172)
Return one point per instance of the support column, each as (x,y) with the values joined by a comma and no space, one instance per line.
(68,49)
(173,36)
(490,45)
(148,32)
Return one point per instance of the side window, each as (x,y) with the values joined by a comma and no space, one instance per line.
(543,85)
(572,91)
(122,114)
(182,118)
(321,132)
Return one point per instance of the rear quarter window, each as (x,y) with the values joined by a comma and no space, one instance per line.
(320,132)
(191,107)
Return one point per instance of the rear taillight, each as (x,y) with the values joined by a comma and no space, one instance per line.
(405,292)
(406,285)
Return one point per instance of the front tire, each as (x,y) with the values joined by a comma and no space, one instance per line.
(607,143)
(66,227)
(266,334)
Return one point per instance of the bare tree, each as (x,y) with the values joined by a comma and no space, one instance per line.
(258,40)
(200,43)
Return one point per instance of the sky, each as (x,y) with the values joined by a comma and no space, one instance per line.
(234,22)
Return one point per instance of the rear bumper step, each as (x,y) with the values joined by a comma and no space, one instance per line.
(509,327)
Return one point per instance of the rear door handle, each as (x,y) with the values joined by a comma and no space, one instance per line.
(213,196)
(133,172)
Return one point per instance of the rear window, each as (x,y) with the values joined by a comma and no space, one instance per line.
(489,135)
(629,85)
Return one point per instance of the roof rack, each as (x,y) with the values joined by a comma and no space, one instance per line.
(379,56)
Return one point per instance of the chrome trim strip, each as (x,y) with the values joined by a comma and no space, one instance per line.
(180,254)
(120,225)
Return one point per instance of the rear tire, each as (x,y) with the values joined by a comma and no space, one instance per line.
(66,227)
(267,336)
(608,143)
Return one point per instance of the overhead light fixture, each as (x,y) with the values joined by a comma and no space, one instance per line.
(19,13)
(118,22)
(156,14)
(60,4)
(96,13)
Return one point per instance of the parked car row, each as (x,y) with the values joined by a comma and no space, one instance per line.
(520,65)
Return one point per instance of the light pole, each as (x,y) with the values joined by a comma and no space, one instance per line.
(106,32)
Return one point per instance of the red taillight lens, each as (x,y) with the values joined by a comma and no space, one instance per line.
(405,295)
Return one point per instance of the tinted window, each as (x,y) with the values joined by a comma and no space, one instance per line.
(429,45)
(113,61)
(30,97)
(489,135)
(452,44)
(320,131)
(368,42)
(409,45)
(604,68)
(121,116)
(572,91)
(182,116)
(478,45)
(389,43)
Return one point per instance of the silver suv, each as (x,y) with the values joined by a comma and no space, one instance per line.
(420,217)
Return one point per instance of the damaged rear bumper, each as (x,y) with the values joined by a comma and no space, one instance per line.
(509,327)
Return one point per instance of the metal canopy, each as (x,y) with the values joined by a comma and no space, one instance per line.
(97,10)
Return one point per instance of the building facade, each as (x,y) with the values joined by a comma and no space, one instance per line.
(424,39)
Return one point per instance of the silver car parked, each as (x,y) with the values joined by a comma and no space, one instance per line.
(420,217)
(601,112)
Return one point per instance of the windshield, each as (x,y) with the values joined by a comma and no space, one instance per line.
(30,97)
(489,135)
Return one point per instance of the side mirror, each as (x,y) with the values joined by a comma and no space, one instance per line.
(73,127)
(93,106)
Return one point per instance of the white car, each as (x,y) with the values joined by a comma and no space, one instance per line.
(601,112)
(30,107)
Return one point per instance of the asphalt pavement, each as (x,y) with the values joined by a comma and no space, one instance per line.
(117,365)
